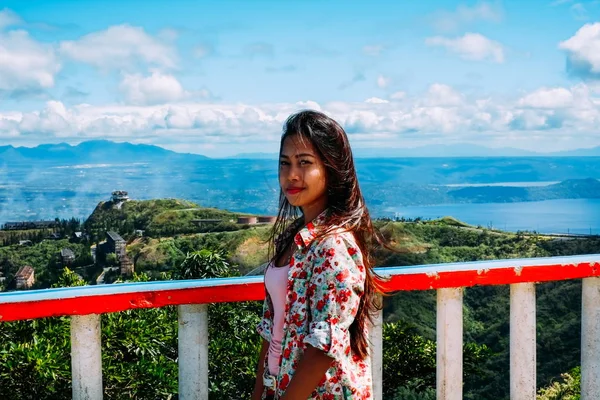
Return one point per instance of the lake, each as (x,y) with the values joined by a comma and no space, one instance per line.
(29,192)
(580,216)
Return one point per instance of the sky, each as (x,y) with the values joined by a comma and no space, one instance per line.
(219,78)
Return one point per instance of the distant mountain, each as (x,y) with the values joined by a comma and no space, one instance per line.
(570,189)
(93,151)
(590,152)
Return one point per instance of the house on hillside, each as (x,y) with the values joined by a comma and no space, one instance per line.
(115,244)
(67,256)
(25,277)
(78,237)
(126,264)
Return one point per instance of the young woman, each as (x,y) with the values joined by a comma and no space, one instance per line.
(321,290)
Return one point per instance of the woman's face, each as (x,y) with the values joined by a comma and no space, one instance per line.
(302,176)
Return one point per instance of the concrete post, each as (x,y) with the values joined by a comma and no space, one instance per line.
(376,351)
(522,342)
(590,339)
(449,354)
(86,357)
(193,352)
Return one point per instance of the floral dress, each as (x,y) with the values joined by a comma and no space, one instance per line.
(325,284)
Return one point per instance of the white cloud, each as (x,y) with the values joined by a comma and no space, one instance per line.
(26,64)
(157,88)
(463,15)
(120,47)
(9,18)
(376,100)
(440,95)
(398,95)
(441,111)
(471,46)
(583,51)
(383,81)
(547,98)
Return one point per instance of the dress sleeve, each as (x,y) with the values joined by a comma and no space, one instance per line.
(334,293)
(266,322)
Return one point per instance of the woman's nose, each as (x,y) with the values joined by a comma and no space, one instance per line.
(293,174)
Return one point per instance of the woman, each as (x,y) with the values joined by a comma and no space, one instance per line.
(321,290)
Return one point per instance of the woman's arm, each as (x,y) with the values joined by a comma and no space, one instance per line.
(310,371)
(258,385)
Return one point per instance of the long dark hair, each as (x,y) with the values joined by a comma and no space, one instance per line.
(346,206)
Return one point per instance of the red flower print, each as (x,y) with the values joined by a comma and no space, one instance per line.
(285,381)
(342,276)
(320,305)
(351,251)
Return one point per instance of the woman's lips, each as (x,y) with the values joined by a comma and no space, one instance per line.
(294,190)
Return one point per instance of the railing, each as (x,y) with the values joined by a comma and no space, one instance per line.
(85,304)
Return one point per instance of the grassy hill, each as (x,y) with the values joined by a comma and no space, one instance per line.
(170,235)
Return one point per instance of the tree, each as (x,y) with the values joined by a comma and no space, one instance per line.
(203,263)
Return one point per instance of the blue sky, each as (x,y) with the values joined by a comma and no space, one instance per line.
(219,78)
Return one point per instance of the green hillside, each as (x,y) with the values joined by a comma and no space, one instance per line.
(173,247)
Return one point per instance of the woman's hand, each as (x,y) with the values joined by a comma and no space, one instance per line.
(310,371)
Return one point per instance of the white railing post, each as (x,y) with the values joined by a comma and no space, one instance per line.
(449,353)
(376,351)
(522,342)
(193,352)
(86,357)
(590,339)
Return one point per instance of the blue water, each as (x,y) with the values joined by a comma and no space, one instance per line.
(581,216)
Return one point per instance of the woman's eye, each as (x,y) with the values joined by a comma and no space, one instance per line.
(305,162)
(283,163)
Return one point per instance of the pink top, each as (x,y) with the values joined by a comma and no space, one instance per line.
(276,284)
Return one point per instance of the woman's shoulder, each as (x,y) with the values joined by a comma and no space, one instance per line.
(340,239)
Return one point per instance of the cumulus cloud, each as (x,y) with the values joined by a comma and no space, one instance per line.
(547,98)
(444,20)
(120,47)
(440,111)
(471,46)
(376,100)
(583,51)
(158,88)
(26,64)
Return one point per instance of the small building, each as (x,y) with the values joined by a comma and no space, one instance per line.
(67,256)
(25,243)
(93,249)
(126,264)
(54,236)
(266,219)
(25,225)
(247,220)
(139,233)
(78,237)
(119,196)
(25,277)
(115,244)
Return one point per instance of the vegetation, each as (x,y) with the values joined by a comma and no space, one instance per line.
(140,346)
